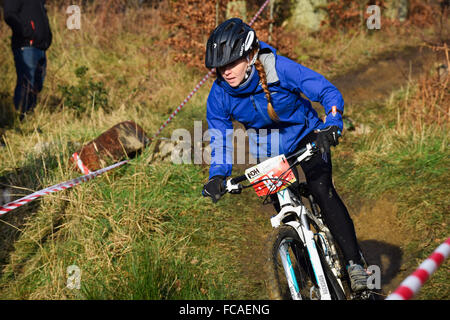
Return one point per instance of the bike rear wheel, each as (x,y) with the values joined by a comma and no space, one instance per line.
(287,239)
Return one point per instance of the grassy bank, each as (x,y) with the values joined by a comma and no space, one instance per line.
(140,232)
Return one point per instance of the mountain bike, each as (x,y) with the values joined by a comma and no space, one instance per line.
(304,261)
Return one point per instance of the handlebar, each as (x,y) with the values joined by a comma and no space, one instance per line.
(233,185)
(236,180)
(310,146)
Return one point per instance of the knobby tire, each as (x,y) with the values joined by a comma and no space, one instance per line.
(276,279)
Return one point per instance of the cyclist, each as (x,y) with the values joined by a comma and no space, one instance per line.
(264,90)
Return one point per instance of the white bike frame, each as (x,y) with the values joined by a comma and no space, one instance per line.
(289,204)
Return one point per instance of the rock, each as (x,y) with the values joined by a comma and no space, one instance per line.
(181,152)
(165,148)
(397,9)
(309,14)
(442,71)
(42,147)
(5,195)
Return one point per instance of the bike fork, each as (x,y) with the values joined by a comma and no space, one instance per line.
(289,271)
(316,265)
(286,203)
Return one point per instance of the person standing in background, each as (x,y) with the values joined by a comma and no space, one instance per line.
(30,39)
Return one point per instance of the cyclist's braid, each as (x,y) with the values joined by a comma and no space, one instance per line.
(262,76)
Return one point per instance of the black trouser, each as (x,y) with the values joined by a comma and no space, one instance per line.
(318,173)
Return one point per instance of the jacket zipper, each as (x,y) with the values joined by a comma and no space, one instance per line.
(255,105)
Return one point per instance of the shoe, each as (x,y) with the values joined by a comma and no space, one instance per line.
(358,277)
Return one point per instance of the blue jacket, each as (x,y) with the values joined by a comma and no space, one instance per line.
(288,82)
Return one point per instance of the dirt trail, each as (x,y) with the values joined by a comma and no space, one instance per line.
(382,237)
(379,78)
(379,232)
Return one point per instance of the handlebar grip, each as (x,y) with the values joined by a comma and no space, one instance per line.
(236,180)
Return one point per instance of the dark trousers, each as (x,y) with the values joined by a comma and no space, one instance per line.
(318,173)
(31,64)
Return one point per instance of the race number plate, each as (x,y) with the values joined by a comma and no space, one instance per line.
(274,175)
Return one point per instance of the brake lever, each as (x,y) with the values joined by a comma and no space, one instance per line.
(311,149)
(233,188)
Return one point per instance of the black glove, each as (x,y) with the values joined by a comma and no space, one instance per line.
(214,188)
(328,137)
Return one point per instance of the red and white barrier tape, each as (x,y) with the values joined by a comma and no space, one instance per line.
(57,187)
(197,87)
(183,103)
(259,12)
(411,285)
(80,164)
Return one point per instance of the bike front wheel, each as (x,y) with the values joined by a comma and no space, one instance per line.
(294,277)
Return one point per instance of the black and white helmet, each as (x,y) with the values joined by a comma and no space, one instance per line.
(230,41)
